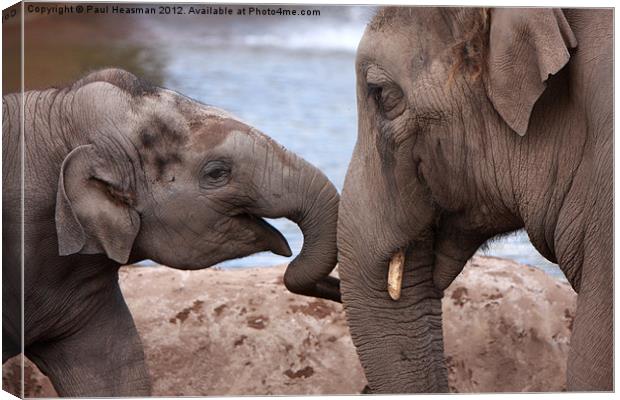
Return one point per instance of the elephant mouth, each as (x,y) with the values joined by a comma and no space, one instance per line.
(269,236)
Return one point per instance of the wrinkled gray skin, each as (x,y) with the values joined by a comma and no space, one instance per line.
(450,154)
(117,171)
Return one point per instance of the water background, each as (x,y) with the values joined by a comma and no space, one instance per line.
(291,77)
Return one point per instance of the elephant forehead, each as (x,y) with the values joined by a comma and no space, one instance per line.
(406,37)
(426,21)
(193,109)
(398,58)
(173,120)
(255,145)
(162,130)
(209,132)
(206,111)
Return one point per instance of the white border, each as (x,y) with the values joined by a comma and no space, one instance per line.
(531,3)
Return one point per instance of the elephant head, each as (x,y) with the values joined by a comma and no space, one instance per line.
(186,184)
(444,97)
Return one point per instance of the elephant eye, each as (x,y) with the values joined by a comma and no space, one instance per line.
(215,174)
(389,99)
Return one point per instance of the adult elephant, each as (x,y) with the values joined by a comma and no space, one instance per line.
(473,123)
(116,171)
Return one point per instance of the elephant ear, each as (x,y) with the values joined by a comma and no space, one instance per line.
(94,213)
(525,47)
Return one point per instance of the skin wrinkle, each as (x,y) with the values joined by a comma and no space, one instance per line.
(254,162)
(112,145)
(549,217)
(139,188)
(490,155)
(176,232)
(578,159)
(576,242)
(91,310)
(423,315)
(494,192)
(376,283)
(153,210)
(58,116)
(65,129)
(303,216)
(431,315)
(510,192)
(64,327)
(39,104)
(27,110)
(51,101)
(36,107)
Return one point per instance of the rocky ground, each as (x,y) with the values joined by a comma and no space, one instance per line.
(236,332)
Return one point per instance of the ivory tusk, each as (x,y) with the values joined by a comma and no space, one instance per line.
(395,274)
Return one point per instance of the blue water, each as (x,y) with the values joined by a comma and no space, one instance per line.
(294,79)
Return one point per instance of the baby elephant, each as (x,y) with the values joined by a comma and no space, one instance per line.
(115,171)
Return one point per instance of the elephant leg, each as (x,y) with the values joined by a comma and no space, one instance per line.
(103,358)
(590,358)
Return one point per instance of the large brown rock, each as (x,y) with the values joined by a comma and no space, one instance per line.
(233,332)
(507,328)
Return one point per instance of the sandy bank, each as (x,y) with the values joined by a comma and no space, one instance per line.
(233,332)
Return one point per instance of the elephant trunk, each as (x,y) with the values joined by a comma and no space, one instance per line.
(308,273)
(399,342)
(392,306)
(305,196)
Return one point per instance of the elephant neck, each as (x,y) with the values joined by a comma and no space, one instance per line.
(558,162)
(85,278)
(48,136)
(49,126)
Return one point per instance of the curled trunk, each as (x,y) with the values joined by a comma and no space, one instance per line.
(308,273)
(306,197)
